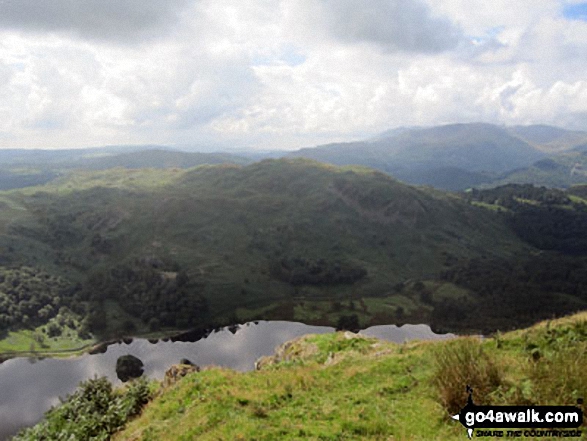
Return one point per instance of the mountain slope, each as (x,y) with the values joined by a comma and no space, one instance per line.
(212,240)
(472,151)
(561,170)
(549,139)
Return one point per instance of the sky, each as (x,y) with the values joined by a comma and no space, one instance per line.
(282,74)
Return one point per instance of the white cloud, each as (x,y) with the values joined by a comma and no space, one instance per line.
(273,73)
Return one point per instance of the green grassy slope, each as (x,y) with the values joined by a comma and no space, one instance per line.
(266,235)
(343,386)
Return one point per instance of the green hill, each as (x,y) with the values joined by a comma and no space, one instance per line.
(141,251)
(152,249)
(343,386)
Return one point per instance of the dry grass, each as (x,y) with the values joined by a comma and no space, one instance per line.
(463,363)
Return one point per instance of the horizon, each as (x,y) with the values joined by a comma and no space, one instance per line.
(224,148)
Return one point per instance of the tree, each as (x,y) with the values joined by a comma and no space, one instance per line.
(348,323)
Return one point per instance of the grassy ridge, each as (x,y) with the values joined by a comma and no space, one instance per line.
(343,386)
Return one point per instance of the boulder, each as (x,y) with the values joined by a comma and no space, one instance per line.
(177,371)
(128,367)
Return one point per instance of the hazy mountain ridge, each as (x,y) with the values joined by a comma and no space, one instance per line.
(475,147)
(451,157)
(560,170)
(158,158)
(455,156)
(24,168)
(549,139)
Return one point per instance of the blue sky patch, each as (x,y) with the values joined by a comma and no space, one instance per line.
(288,55)
(577,11)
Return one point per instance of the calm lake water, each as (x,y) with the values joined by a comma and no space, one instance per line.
(29,387)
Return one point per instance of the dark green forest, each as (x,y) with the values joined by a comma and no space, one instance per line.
(30,297)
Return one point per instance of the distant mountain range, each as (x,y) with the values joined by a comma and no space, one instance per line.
(24,168)
(561,170)
(450,157)
(550,139)
(457,156)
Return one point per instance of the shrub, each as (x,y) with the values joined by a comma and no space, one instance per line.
(95,411)
(460,363)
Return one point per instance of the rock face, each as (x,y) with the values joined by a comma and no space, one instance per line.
(177,371)
(128,367)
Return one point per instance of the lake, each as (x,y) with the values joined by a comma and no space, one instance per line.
(29,387)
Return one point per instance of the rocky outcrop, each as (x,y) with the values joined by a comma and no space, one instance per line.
(296,349)
(177,371)
(301,349)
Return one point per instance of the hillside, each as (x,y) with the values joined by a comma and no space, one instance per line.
(158,249)
(561,171)
(346,386)
(167,250)
(549,139)
(24,168)
(473,153)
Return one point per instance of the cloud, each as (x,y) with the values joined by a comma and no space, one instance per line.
(276,73)
(393,25)
(106,20)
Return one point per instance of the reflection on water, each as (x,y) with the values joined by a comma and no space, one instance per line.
(29,387)
(404,333)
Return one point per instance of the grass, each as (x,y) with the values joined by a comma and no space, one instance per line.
(464,362)
(492,207)
(347,401)
(340,386)
(24,343)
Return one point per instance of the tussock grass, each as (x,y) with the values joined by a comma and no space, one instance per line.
(460,363)
(561,377)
